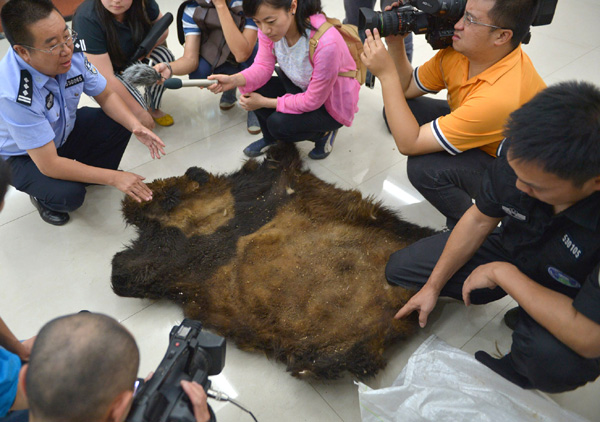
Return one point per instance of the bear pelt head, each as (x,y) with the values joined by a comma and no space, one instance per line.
(274,259)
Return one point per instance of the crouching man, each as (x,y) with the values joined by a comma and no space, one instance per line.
(544,188)
(55,149)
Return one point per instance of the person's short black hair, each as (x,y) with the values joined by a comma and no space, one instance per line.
(517,15)
(559,130)
(78,365)
(4,178)
(17,15)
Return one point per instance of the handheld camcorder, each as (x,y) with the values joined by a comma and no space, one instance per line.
(434,18)
(193,355)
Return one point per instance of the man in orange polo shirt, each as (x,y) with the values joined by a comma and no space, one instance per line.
(487,75)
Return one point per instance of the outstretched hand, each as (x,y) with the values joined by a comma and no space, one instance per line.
(225,83)
(151,140)
(164,71)
(423,302)
(133,185)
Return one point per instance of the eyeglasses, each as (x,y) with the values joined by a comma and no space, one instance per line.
(56,49)
(468,20)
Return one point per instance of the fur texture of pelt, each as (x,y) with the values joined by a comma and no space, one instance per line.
(274,259)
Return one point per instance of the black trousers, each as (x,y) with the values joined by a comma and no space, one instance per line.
(310,126)
(96,140)
(448,182)
(539,357)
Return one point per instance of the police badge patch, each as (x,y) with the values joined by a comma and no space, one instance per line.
(90,67)
(49,101)
(563,278)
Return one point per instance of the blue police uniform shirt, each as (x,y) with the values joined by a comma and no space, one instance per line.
(10,365)
(36,109)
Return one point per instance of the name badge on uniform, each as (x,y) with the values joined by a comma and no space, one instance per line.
(74,81)
(49,101)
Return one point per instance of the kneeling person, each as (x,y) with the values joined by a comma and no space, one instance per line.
(55,149)
(546,254)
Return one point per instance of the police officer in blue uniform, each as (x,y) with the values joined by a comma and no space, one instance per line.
(55,149)
(545,188)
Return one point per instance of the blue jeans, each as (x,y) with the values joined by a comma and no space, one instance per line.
(227,68)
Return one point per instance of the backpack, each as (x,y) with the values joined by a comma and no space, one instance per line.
(213,46)
(353,41)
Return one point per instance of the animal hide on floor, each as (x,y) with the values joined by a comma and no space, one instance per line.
(274,259)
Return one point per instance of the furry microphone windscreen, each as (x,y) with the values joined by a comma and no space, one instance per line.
(141,74)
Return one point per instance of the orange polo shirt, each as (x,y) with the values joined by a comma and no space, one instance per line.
(479,107)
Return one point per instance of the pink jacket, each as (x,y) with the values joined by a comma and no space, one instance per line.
(338,93)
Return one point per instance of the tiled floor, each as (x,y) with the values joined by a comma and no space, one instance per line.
(48,271)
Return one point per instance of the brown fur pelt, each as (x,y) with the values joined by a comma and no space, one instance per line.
(274,259)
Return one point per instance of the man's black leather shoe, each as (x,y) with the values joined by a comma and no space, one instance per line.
(51,217)
(511,318)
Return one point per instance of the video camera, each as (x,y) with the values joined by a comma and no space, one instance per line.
(434,18)
(193,355)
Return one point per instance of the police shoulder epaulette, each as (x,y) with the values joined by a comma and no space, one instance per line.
(25,94)
(79,46)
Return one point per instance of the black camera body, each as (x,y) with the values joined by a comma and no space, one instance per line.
(193,355)
(434,18)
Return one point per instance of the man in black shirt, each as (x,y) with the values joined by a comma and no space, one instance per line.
(545,255)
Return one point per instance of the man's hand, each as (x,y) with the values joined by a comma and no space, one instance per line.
(482,277)
(151,140)
(133,185)
(423,302)
(225,83)
(198,398)
(376,57)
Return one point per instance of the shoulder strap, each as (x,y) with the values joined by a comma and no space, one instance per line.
(180,34)
(314,40)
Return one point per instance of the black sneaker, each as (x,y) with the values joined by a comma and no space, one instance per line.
(511,318)
(51,217)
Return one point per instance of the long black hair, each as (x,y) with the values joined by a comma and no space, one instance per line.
(137,20)
(305,9)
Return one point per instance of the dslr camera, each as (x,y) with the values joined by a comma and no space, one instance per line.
(193,355)
(434,18)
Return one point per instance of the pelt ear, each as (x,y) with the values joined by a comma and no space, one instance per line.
(198,175)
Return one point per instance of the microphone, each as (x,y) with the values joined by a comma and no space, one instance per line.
(176,83)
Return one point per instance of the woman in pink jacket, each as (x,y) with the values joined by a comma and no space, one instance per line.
(307,100)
